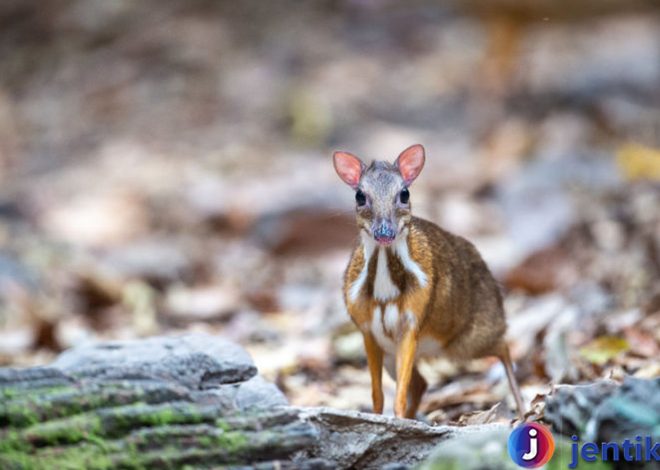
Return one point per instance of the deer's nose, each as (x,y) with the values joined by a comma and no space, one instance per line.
(384,232)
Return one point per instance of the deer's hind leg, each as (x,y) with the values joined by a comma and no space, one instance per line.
(505,357)
(417,388)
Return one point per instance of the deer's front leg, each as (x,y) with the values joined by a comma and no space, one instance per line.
(375,362)
(405,361)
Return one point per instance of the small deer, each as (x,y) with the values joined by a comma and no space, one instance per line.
(413,289)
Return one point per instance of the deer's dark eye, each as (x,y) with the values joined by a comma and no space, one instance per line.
(404,196)
(360,198)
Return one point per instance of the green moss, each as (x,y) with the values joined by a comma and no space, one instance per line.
(221,448)
(68,430)
(21,392)
(96,454)
(164,416)
(233,441)
(30,408)
(205,441)
(116,420)
(78,457)
(130,436)
(222,424)
(18,414)
(8,393)
(17,460)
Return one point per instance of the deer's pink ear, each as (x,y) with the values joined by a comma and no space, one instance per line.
(411,162)
(348,167)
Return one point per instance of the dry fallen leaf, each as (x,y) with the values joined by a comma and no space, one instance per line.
(639,162)
(541,272)
(492,415)
(642,343)
(602,349)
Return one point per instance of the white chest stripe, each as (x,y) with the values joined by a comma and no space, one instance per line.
(391,318)
(382,339)
(368,247)
(408,263)
(384,288)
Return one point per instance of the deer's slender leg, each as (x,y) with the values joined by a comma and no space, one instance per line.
(375,362)
(418,386)
(405,362)
(505,357)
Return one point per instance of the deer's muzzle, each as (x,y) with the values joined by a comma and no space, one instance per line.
(384,232)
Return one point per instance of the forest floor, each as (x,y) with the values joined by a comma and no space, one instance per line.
(166,167)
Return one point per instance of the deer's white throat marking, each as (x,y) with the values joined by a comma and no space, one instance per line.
(402,251)
(384,288)
(368,247)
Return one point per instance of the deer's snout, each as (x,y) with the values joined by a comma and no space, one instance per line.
(384,231)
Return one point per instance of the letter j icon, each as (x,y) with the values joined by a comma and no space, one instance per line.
(531,445)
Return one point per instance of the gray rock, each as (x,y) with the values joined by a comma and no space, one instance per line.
(195,361)
(478,448)
(214,370)
(189,390)
(258,393)
(571,406)
(606,411)
(352,439)
(34,377)
(633,410)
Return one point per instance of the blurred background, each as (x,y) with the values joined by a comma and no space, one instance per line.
(165,166)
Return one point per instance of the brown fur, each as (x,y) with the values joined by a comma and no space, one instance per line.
(464,313)
(461,307)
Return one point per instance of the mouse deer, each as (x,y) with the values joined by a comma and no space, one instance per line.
(413,289)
